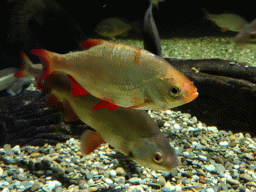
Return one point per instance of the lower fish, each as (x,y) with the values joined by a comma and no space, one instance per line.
(131,132)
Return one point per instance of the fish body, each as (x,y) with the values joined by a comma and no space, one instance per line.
(247,36)
(227,21)
(122,75)
(132,132)
(112,27)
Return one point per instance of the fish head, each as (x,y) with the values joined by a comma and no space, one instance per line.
(154,152)
(247,36)
(176,91)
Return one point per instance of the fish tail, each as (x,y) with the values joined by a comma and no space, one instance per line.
(47,59)
(24,69)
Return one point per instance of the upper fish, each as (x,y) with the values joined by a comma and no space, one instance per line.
(227,21)
(121,75)
(132,132)
(111,27)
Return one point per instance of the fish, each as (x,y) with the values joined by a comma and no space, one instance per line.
(227,21)
(28,68)
(120,75)
(132,132)
(247,36)
(112,27)
(13,79)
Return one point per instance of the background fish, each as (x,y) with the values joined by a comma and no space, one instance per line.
(121,75)
(113,26)
(132,132)
(227,21)
(247,36)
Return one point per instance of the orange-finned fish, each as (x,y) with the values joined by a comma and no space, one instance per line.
(132,132)
(120,75)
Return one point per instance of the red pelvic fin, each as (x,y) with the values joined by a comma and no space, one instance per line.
(105,104)
(90,141)
(91,43)
(77,90)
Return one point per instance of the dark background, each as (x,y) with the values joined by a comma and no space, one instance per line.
(172,17)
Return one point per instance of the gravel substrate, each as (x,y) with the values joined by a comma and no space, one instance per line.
(202,48)
(211,160)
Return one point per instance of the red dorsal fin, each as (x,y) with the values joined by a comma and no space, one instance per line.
(105,104)
(90,141)
(91,43)
(77,90)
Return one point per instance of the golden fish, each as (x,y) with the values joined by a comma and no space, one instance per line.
(121,75)
(112,27)
(227,21)
(132,132)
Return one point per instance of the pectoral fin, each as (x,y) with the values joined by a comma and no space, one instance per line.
(90,141)
(77,90)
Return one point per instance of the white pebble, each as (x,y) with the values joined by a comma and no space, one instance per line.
(202,157)
(210,168)
(108,181)
(223,143)
(195,177)
(213,129)
(16,149)
(177,126)
(52,184)
(236,166)
(5,189)
(112,173)
(166,124)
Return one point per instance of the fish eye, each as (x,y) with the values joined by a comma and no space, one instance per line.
(174,91)
(158,157)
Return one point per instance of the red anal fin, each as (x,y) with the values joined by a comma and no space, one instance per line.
(105,104)
(91,43)
(90,141)
(77,90)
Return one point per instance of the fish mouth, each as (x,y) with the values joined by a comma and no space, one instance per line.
(192,95)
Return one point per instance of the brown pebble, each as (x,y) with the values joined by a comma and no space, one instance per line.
(161,181)
(58,146)
(202,179)
(36,154)
(219,160)
(120,171)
